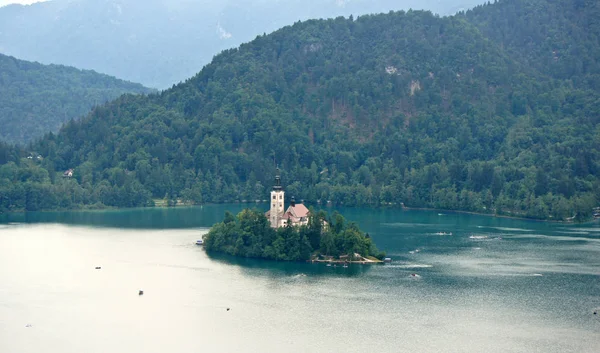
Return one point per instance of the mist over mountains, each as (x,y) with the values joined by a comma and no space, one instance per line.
(158,42)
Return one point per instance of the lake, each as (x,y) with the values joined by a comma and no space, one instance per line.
(480,284)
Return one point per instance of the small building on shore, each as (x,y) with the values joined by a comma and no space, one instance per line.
(296,214)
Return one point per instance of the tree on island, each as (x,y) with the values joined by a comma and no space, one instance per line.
(249,234)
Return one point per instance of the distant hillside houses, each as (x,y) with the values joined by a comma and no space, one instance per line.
(296,214)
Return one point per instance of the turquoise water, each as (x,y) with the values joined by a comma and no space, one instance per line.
(457,283)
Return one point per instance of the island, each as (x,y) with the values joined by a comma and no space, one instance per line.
(292,234)
(322,239)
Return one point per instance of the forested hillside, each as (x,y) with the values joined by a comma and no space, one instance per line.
(405,107)
(162,42)
(560,38)
(36,99)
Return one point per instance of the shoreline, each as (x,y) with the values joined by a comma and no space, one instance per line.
(495,215)
(592,220)
(397,206)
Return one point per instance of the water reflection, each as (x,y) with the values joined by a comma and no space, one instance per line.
(140,218)
(260,267)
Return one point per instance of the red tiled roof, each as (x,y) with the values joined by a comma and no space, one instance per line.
(298,210)
(289,216)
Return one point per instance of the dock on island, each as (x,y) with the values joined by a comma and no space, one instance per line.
(345,259)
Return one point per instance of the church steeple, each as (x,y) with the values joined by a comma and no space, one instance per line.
(277,183)
(277,197)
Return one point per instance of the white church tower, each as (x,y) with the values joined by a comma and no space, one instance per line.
(277,197)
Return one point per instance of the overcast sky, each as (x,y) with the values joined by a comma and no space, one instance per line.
(24,2)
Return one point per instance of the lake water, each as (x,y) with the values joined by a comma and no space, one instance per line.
(493,285)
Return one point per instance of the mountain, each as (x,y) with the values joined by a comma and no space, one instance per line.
(162,42)
(36,99)
(559,38)
(399,108)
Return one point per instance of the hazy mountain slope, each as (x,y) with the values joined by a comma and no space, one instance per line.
(401,107)
(159,42)
(36,99)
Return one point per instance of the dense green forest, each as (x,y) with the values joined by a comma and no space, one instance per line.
(404,107)
(558,38)
(36,99)
(162,42)
(249,234)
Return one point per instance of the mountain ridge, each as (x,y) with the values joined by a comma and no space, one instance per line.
(36,98)
(158,42)
(404,107)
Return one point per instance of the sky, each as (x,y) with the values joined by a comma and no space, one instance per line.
(24,2)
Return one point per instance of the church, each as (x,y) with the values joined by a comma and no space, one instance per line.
(296,214)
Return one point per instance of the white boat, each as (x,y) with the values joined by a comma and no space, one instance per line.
(199,242)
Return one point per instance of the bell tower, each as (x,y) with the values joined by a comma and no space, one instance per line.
(277,197)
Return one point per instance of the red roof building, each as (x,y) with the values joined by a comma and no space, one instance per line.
(296,214)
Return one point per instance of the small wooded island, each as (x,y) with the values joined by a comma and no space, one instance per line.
(249,234)
(297,234)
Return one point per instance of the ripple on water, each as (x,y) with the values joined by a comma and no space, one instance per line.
(574,232)
(507,229)
(410,266)
(554,238)
(591,230)
(528,261)
(401,224)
